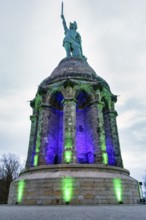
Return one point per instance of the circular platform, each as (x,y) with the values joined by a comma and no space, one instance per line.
(74,184)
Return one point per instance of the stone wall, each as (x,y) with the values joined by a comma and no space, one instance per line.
(75,187)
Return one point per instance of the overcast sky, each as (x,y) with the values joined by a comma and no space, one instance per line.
(114,41)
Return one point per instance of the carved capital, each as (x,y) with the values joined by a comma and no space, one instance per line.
(69,101)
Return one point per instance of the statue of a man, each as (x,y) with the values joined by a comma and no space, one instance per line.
(72,40)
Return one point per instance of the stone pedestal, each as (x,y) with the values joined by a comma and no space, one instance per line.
(74,184)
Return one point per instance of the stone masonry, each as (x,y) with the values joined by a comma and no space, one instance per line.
(74,151)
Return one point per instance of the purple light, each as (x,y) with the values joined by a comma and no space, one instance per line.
(53,151)
(85,144)
(84,131)
(32,159)
(80,137)
(54,148)
(90,144)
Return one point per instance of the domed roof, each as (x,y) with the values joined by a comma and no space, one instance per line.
(73,67)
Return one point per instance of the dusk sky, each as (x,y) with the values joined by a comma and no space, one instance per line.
(114,41)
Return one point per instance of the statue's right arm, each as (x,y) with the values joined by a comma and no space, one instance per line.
(64,23)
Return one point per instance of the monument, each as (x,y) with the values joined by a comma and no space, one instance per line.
(74,153)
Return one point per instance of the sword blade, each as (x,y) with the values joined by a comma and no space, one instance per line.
(62,8)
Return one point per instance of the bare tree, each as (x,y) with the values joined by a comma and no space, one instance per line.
(144,184)
(9,171)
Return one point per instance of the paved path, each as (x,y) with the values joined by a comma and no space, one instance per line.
(119,212)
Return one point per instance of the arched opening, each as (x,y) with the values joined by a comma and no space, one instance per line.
(54,147)
(84,129)
(56,101)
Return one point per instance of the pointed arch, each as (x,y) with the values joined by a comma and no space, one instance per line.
(57,94)
(86,89)
(84,126)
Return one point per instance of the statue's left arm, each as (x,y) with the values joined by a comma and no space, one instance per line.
(64,23)
(63,18)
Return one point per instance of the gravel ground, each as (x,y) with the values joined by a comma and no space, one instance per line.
(119,212)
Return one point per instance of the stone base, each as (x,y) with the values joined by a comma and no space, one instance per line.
(74,184)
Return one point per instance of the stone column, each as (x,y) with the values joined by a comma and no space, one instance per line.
(32,140)
(115,137)
(109,141)
(38,140)
(69,123)
(102,157)
(95,118)
(43,133)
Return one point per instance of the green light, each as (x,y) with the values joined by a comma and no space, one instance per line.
(68,140)
(20,190)
(102,141)
(103,147)
(38,100)
(140,191)
(68,156)
(67,189)
(68,143)
(118,189)
(105,158)
(35,163)
(37,150)
(68,135)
